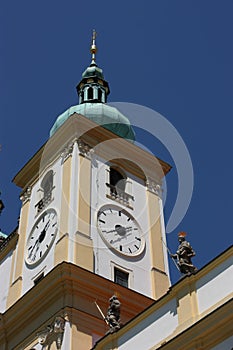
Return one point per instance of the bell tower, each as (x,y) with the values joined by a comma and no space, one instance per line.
(92,198)
(91,225)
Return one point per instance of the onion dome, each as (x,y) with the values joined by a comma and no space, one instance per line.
(93,90)
(102,114)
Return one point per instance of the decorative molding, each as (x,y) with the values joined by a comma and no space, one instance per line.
(153,186)
(67,152)
(53,332)
(26,195)
(84,149)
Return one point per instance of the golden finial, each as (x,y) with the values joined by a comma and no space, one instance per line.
(93,47)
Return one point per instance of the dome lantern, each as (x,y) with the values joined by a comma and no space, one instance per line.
(93,87)
(93,91)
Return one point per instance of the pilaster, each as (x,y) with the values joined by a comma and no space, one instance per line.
(84,189)
(83,242)
(159,277)
(187,305)
(61,249)
(18,258)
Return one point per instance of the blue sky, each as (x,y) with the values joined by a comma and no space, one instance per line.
(175,57)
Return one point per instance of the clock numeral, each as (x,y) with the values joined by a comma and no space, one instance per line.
(130,250)
(40,253)
(119,213)
(139,239)
(128,219)
(30,247)
(121,248)
(135,228)
(136,246)
(103,222)
(47,245)
(54,224)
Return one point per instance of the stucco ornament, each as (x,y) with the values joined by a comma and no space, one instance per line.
(85,149)
(26,195)
(53,333)
(67,152)
(153,186)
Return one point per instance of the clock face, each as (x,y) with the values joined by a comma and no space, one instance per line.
(41,237)
(120,230)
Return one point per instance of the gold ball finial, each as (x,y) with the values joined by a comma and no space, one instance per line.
(93,47)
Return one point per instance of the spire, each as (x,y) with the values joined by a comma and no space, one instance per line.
(93,87)
(93,48)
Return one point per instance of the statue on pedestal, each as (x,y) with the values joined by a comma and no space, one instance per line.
(184,254)
(113,314)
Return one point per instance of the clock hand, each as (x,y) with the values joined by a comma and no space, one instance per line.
(35,244)
(111,231)
(37,248)
(121,230)
(43,232)
(38,241)
(46,226)
(119,238)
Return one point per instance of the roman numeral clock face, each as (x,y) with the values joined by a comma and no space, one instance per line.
(120,231)
(41,237)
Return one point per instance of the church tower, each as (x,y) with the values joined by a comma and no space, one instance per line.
(91,216)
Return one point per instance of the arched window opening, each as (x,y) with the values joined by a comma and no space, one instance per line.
(90,93)
(118,184)
(82,96)
(99,95)
(46,189)
(117,181)
(47,183)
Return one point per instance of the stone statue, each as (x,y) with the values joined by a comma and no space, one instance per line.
(113,314)
(184,254)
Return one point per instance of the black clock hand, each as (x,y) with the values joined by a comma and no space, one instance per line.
(32,248)
(119,238)
(111,231)
(121,230)
(39,240)
(37,248)
(46,226)
(43,232)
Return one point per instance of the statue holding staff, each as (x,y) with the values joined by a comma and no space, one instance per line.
(184,254)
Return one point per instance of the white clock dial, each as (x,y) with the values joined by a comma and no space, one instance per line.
(120,230)
(41,237)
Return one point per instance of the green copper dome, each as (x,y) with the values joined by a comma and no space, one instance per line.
(93,90)
(93,71)
(108,117)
